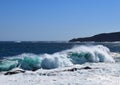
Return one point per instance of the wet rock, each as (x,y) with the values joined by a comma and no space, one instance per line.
(71,69)
(87,67)
(14,72)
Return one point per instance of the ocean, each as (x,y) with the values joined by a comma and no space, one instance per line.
(17,48)
(50,55)
(59,63)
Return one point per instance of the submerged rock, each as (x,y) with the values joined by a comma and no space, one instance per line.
(75,69)
(87,67)
(15,71)
(71,69)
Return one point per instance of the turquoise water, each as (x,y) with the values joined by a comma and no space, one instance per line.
(77,54)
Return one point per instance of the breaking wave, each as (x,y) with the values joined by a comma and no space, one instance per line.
(76,55)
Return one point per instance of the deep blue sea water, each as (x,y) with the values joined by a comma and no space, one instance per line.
(16,48)
(49,55)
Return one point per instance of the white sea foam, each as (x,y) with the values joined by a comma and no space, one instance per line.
(76,55)
(97,53)
(99,74)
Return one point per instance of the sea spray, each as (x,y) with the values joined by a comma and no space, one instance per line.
(55,60)
(82,54)
(76,55)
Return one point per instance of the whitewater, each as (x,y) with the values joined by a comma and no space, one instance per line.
(76,55)
(79,65)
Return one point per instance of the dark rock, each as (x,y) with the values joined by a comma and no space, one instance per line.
(104,37)
(87,67)
(71,69)
(14,72)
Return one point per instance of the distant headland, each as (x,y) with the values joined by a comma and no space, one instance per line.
(103,37)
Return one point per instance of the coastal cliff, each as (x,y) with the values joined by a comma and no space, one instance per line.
(103,37)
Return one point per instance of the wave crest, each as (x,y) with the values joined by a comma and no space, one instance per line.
(76,55)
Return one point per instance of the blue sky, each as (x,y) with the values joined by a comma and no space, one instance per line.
(51,20)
